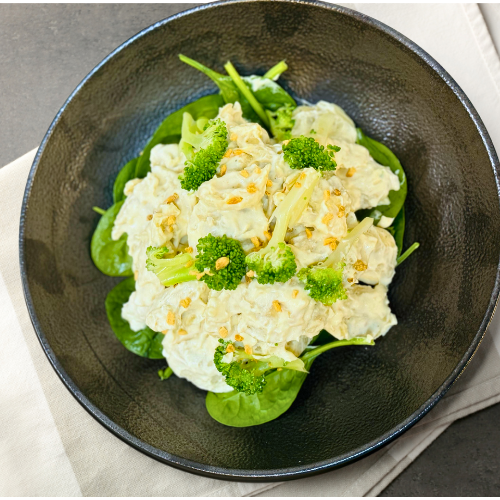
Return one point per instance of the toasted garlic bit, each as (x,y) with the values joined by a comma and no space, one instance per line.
(234,200)
(228,153)
(341,212)
(308,233)
(238,338)
(182,332)
(136,275)
(251,188)
(233,137)
(149,217)
(294,294)
(257,170)
(248,349)
(359,265)
(250,274)
(298,184)
(255,241)
(223,332)
(170,318)
(223,170)
(230,348)
(188,250)
(337,192)
(248,279)
(269,183)
(333,245)
(185,302)
(350,280)
(172,198)
(350,172)
(302,176)
(268,235)
(164,332)
(331,242)
(285,142)
(170,219)
(277,305)
(326,195)
(268,193)
(327,218)
(221,263)
(244,173)
(238,152)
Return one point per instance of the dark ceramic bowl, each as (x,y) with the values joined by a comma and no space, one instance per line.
(355,400)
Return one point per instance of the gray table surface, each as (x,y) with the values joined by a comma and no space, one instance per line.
(46,50)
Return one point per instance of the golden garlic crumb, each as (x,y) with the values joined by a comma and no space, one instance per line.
(308,233)
(164,332)
(267,192)
(228,153)
(170,318)
(233,137)
(172,198)
(244,173)
(251,188)
(268,235)
(238,338)
(230,348)
(185,302)
(221,263)
(170,219)
(326,195)
(341,211)
(255,241)
(302,176)
(223,170)
(333,245)
(238,152)
(248,279)
(298,184)
(149,217)
(189,250)
(223,332)
(234,200)
(350,172)
(359,265)
(257,170)
(170,229)
(350,280)
(182,332)
(248,349)
(294,294)
(269,183)
(250,274)
(136,275)
(277,305)
(286,142)
(328,217)
(337,192)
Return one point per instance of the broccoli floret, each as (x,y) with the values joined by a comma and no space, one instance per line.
(204,144)
(324,282)
(244,372)
(303,152)
(222,260)
(276,261)
(220,263)
(281,122)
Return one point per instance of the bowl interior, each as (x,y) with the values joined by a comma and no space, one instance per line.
(354,397)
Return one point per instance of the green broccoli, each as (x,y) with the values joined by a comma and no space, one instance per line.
(276,261)
(220,263)
(302,152)
(324,281)
(204,143)
(244,372)
(281,122)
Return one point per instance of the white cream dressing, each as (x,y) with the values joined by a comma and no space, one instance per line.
(278,319)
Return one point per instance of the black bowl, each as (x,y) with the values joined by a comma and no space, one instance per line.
(355,400)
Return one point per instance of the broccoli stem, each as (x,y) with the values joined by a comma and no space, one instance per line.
(309,356)
(231,71)
(408,252)
(275,71)
(336,256)
(177,270)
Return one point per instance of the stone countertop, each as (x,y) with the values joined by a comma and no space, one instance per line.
(47,49)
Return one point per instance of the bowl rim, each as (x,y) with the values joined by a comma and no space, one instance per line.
(287,473)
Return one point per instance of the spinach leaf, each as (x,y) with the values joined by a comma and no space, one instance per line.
(170,129)
(237,409)
(126,174)
(145,342)
(110,257)
(398,229)
(267,92)
(386,157)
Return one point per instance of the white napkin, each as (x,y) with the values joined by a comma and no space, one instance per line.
(50,446)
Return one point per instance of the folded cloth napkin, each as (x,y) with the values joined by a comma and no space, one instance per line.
(50,446)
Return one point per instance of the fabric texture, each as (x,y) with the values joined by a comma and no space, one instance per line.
(50,446)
